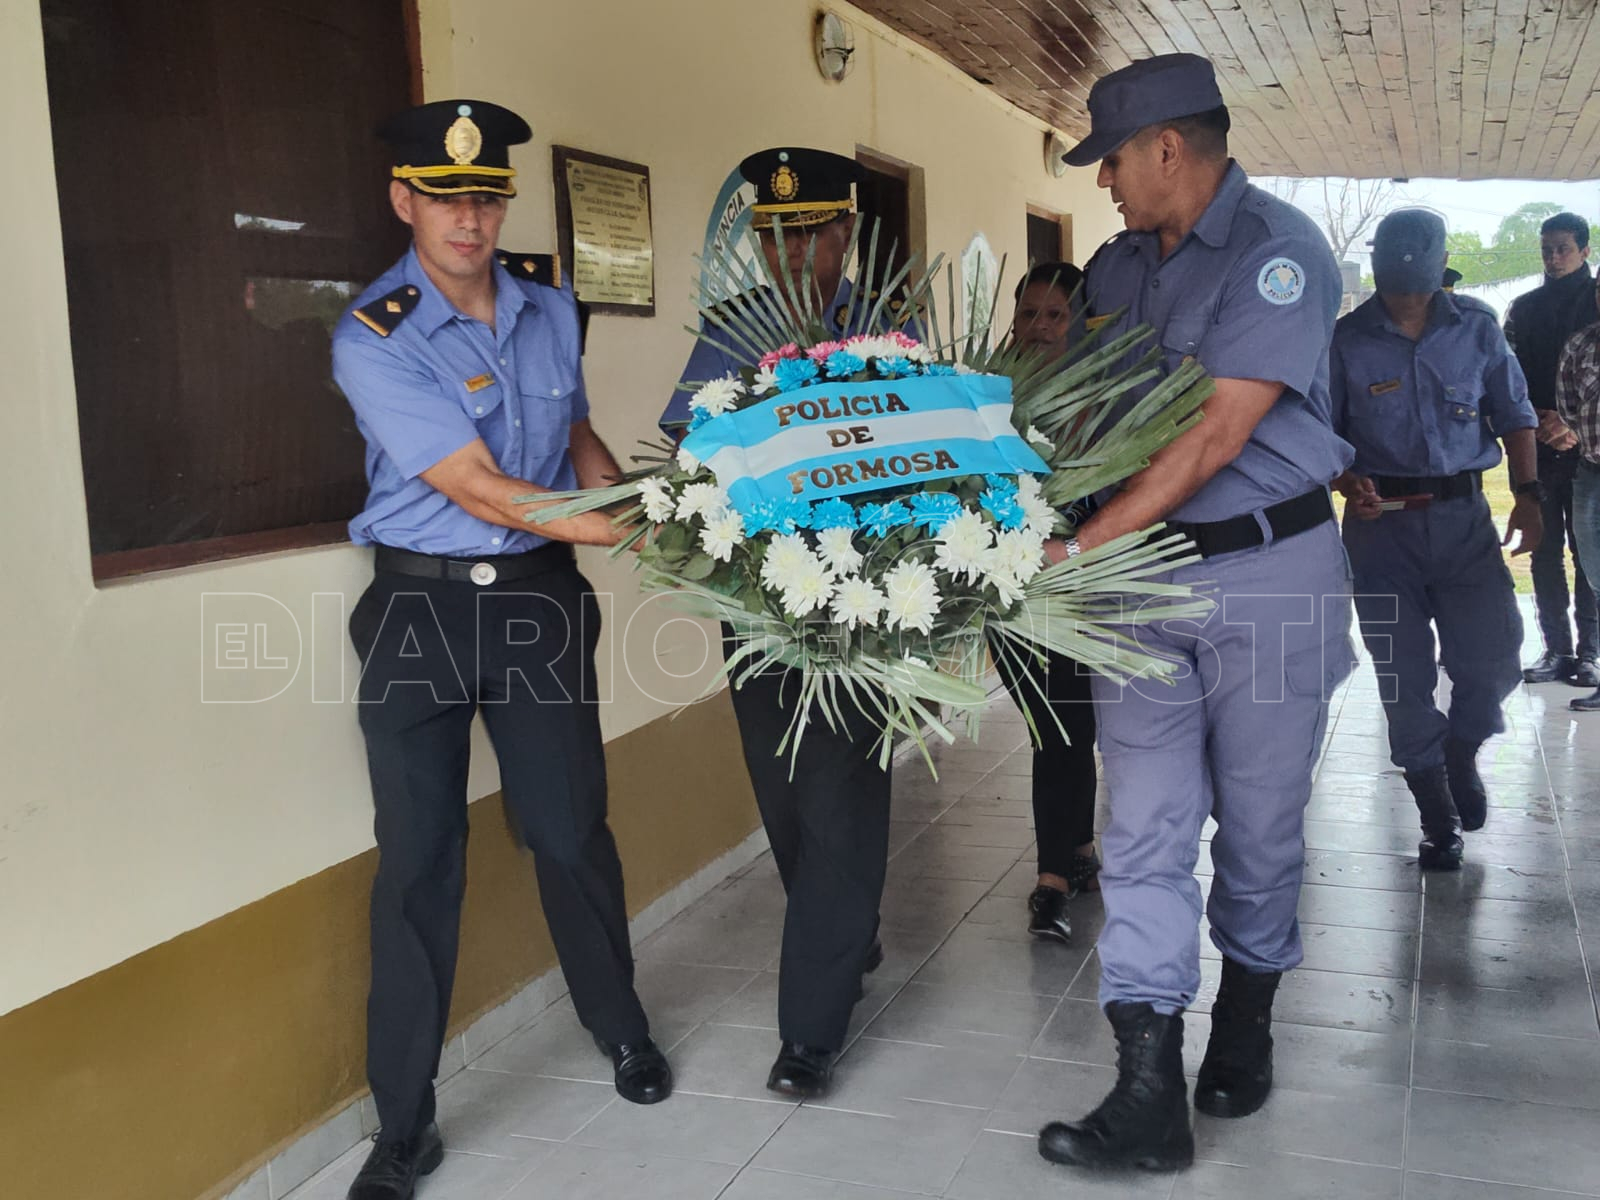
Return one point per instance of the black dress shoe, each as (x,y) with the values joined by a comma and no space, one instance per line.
(1549,668)
(1440,852)
(1586,674)
(801,1071)
(643,1074)
(1586,703)
(393,1168)
(1048,917)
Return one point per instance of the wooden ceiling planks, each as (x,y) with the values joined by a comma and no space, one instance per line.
(1371,88)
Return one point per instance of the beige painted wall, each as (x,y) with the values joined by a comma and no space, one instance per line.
(130,811)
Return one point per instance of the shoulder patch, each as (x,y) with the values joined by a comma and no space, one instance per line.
(383,315)
(1281,281)
(535,268)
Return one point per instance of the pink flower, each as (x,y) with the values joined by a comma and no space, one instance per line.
(822,351)
(771,358)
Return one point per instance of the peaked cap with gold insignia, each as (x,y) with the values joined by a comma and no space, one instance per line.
(800,186)
(453,146)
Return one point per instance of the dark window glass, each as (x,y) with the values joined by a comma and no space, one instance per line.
(222,199)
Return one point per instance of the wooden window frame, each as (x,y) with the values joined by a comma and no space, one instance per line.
(1063,223)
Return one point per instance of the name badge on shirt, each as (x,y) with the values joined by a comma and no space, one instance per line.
(478,382)
(1387,386)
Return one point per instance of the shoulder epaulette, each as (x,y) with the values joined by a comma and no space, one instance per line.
(383,315)
(536,268)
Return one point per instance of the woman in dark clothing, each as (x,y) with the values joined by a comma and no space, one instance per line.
(1056,689)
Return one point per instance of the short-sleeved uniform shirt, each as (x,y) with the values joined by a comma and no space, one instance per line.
(1434,406)
(1252,292)
(442,379)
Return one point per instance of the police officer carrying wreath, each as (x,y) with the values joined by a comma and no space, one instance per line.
(1244,283)
(463,369)
(1422,384)
(828,819)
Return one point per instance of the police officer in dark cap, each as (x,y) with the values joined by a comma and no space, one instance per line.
(1425,388)
(462,366)
(1230,276)
(828,822)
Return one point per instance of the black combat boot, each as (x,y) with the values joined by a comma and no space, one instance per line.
(1466,785)
(1237,1072)
(1440,848)
(1144,1122)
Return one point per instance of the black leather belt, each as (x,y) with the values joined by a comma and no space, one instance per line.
(1285,519)
(1440,487)
(491,568)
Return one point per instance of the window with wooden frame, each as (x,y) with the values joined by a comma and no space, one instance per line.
(222,201)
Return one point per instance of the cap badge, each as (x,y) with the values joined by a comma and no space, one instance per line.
(785,183)
(463,141)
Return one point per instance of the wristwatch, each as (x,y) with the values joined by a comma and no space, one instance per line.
(1530,487)
(1073,549)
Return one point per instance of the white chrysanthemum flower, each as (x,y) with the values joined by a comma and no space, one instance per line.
(766,379)
(806,586)
(657,497)
(718,396)
(701,499)
(1034,438)
(857,602)
(963,369)
(964,545)
(913,593)
(1018,553)
(1038,517)
(786,553)
(1009,587)
(838,548)
(873,347)
(688,462)
(920,354)
(723,531)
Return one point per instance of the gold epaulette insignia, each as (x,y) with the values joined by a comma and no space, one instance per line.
(383,316)
(1093,323)
(537,268)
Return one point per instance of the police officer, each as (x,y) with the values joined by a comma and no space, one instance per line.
(1229,275)
(828,821)
(1422,385)
(462,367)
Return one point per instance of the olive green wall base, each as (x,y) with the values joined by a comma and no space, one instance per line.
(175,1073)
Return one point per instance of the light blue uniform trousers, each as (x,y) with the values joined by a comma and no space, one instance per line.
(1236,737)
(1440,568)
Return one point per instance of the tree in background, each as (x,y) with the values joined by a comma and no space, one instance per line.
(1514,253)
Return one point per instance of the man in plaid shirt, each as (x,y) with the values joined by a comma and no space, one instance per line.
(1578,402)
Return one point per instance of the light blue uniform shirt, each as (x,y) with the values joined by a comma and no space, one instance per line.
(1433,406)
(442,379)
(1252,292)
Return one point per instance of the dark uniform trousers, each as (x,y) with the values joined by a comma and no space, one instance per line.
(1064,776)
(434,652)
(829,829)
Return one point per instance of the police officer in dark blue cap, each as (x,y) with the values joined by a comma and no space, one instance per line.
(1233,277)
(462,366)
(1423,384)
(827,813)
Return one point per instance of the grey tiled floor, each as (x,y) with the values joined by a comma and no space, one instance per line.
(1440,1042)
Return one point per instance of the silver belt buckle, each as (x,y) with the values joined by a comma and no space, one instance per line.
(483,574)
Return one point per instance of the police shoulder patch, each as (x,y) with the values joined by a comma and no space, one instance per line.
(383,315)
(1281,281)
(536,268)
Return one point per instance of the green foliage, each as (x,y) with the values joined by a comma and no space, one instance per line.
(1514,253)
